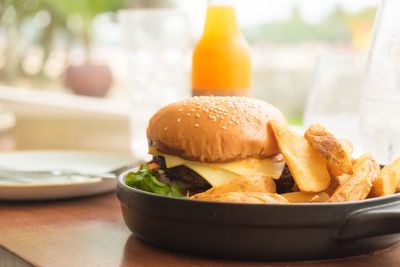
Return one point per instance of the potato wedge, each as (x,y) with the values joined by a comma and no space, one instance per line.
(320,197)
(308,167)
(359,184)
(339,161)
(347,146)
(387,181)
(246,197)
(335,182)
(259,183)
(303,197)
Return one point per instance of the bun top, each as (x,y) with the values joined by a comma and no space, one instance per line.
(215,129)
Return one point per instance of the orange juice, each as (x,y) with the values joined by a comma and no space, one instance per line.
(221,59)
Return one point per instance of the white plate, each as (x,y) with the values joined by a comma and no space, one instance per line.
(68,160)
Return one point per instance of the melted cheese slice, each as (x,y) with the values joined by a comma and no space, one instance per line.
(217,174)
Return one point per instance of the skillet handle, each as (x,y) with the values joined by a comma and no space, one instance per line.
(371,222)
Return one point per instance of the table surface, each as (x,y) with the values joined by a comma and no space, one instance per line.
(90,231)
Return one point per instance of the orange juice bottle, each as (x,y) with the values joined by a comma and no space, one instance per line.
(221,59)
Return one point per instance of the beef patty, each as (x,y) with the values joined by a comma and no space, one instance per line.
(188,180)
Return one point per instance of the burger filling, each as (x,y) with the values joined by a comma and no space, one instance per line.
(173,176)
(220,173)
(185,178)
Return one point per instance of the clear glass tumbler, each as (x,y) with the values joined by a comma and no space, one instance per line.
(380,102)
(380,127)
(157,46)
(335,94)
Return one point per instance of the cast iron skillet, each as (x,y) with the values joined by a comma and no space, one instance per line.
(273,232)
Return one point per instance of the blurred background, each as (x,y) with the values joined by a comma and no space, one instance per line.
(66,70)
(51,45)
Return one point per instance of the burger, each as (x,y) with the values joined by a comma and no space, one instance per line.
(207,141)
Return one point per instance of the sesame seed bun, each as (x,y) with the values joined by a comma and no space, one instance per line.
(214,129)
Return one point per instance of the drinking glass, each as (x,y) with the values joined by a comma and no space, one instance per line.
(335,94)
(380,102)
(380,127)
(157,46)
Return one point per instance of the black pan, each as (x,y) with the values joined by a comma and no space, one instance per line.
(273,232)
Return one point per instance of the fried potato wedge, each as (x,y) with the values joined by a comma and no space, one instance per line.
(359,184)
(303,197)
(336,153)
(335,182)
(347,146)
(258,183)
(308,167)
(387,181)
(246,197)
(320,197)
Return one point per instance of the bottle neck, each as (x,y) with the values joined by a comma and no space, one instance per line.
(221,20)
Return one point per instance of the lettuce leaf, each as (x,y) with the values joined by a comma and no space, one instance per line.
(148,180)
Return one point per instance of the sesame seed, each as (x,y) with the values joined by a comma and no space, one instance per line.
(178,120)
(165,128)
(196,125)
(223,127)
(180,109)
(222,109)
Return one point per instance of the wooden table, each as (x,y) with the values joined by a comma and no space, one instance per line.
(90,231)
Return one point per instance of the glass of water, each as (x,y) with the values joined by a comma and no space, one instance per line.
(380,127)
(380,102)
(335,94)
(157,47)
